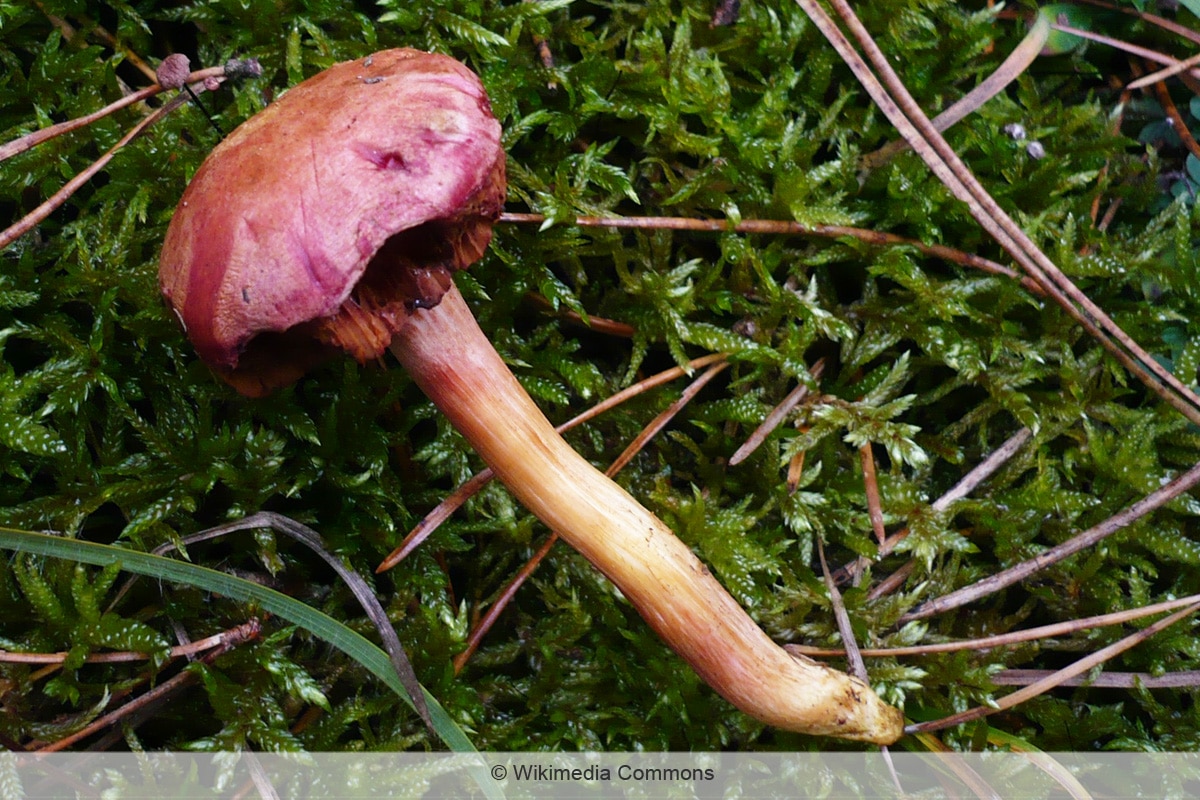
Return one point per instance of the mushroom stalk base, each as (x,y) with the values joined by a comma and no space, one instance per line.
(456,366)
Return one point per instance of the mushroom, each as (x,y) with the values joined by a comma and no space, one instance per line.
(333,220)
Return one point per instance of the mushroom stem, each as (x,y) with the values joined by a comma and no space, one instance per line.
(456,366)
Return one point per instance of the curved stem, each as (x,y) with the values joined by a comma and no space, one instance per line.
(454,363)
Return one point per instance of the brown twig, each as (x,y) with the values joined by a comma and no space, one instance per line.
(795,470)
(871,484)
(1115,123)
(1162,22)
(659,422)
(30,220)
(1184,679)
(1081,541)
(1005,639)
(854,660)
(1177,121)
(1009,70)
(116,44)
(904,113)
(158,694)
(488,620)
(598,324)
(208,79)
(894,581)
(471,487)
(967,484)
(239,633)
(69,32)
(778,414)
(1166,72)
(786,228)
(31,140)
(545,54)
(1057,678)
(260,780)
(1124,46)
(65,28)
(1169,25)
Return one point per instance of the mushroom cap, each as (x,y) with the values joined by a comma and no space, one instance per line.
(283,218)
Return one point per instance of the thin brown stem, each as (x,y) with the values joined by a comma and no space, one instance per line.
(856,666)
(795,469)
(1169,25)
(871,485)
(155,695)
(903,111)
(984,469)
(472,486)
(892,582)
(434,519)
(488,620)
(1012,67)
(159,693)
(1123,46)
(1081,541)
(65,28)
(238,633)
(1005,639)
(1178,123)
(1055,679)
(1166,72)
(659,422)
(130,55)
(69,32)
(31,140)
(30,220)
(1184,679)
(593,323)
(776,417)
(786,228)
(967,484)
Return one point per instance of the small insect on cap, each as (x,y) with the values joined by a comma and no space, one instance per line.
(324,221)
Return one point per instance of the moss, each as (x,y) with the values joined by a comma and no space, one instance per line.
(110,430)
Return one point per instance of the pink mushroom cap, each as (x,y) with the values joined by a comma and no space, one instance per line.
(272,238)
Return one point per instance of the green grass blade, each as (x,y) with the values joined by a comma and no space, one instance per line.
(321,625)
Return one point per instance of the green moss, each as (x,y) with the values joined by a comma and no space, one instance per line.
(111,430)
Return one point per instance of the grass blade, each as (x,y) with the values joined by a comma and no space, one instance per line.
(350,642)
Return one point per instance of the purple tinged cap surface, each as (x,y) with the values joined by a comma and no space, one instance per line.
(173,72)
(278,226)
